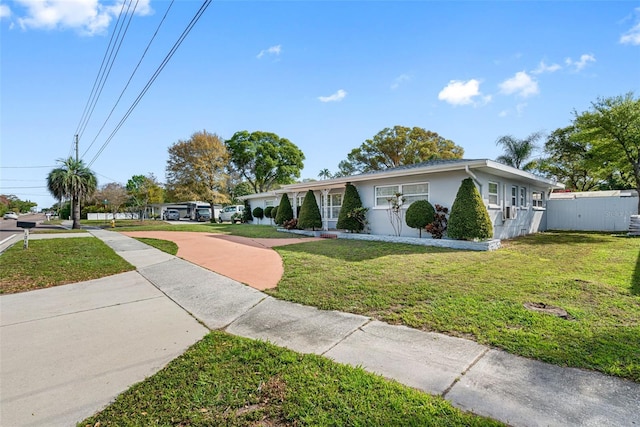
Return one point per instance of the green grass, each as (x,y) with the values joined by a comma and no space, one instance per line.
(53,262)
(480,295)
(164,245)
(230,381)
(244,230)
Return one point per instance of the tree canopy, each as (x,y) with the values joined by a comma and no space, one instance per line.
(113,195)
(264,159)
(612,127)
(518,151)
(74,180)
(143,190)
(398,146)
(196,169)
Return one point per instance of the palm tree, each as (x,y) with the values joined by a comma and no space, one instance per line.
(517,151)
(73,180)
(324,174)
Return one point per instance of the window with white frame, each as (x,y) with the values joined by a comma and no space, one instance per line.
(537,198)
(413,192)
(523,197)
(410,193)
(334,203)
(384,193)
(268,203)
(493,193)
(514,196)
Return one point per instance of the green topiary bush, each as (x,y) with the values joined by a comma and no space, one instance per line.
(274,214)
(419,214)
(246,213)
(309,212)
(268,211)
(258,213)
(469,219)
(350,202)
(285,211)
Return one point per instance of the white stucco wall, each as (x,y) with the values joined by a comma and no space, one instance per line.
(443,187)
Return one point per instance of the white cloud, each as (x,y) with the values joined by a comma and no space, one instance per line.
(582,62)
(273,50)
(5,12)
(89,17)
(521,84)
(503,113)
(544,68)
(633,35)
(459,92)
(399,80)
(338,96)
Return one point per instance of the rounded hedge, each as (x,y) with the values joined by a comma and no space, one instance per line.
(267,211)
(258,212)
(420,214)
(469,219)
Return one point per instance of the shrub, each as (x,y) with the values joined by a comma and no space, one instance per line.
(258,213)
(285,211)
(360,215)
(469,219)
(309,212)
(246,213)
(439,225)
(292,224)
(267,211)
(350,202)
(274,213)
(419,214)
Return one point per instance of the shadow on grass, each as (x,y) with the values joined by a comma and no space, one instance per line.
(359,250)
(564,238)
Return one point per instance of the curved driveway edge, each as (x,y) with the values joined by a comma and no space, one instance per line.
(249,261)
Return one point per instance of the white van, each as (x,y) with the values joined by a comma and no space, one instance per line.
(231,213)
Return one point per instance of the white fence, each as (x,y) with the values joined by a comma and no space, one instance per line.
(109,216)
(611,211)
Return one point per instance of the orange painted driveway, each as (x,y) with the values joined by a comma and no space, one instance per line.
(249,261)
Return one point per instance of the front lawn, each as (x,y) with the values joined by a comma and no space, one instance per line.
(481,295)
(230,381)
(53,262)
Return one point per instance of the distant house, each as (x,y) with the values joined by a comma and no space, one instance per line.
(516,200)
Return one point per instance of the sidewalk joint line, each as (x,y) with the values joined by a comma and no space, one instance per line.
(463,373)
(369,320)
(81,311)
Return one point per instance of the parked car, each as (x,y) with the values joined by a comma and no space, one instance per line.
(10,215)
(231,213)
(203,214)
(171,215)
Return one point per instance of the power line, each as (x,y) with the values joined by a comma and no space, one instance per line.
(175,47)
(130,78)
(114,53)
(25,167)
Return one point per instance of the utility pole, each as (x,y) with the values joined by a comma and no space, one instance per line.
(76,147)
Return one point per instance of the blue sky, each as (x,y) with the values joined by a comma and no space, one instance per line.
(327,75)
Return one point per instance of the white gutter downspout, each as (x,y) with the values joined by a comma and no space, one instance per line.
(473,176)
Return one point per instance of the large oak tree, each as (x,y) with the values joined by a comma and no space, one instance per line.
(264,159)
(196,169)
(397,146)
(612,127)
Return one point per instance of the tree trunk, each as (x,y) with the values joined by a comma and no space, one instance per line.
(75,206)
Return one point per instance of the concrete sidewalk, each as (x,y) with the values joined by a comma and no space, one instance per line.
(518,391)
